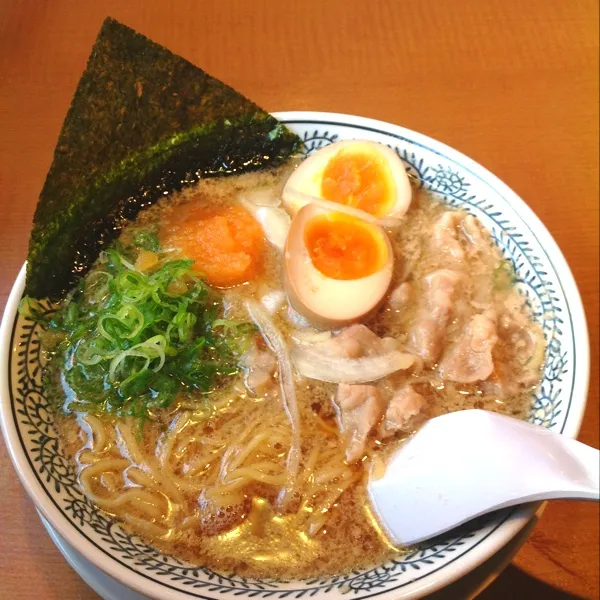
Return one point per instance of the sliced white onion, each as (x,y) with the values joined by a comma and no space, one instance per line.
(288,392)
(311,336)
(313,363)
(294,317)
(273,301)
(265,196)
(275,222)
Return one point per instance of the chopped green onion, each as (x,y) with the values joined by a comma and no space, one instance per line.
(146,240)
(130,342)
(503,276)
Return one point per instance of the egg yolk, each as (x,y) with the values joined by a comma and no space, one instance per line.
(360,180)
(344,247)
(226,245)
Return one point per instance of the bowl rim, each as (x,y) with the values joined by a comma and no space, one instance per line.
(492,542)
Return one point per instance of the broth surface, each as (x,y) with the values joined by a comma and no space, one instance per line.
(200,480)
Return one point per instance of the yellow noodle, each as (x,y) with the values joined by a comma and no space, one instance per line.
(227,499)
(264,465)
(196,485)
(105,464)
(330,474)
(257,475)
(148,528)
(256,440)
(139,477)
(110,481)
(201,463)
(231,450)
(148,463)
(218,465)
(85,456)
(142,499)
(169,488)
(231,486)
(128,440)
(99,437)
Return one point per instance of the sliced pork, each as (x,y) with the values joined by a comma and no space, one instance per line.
(474,234)
(401,296)
(259,366)
(520,351)
(357,341)
(470,359)
(403,407)
(428,332)
(445,235)
(516,328)
(359,409)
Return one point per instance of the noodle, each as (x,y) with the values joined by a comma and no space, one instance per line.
(97,435)
(147,528)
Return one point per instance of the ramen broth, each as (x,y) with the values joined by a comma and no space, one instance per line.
(202,479)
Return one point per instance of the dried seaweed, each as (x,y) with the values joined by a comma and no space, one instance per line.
(143,122)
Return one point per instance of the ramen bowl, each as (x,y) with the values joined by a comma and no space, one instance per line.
(558,403)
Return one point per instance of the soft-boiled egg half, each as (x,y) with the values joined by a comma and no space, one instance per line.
(337,267)
(363,178)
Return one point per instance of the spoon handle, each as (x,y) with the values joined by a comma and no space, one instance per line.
(559,467)
(588,484)
(468,463)
(574,473)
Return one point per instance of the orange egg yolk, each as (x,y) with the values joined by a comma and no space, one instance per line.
(344,247)
(226,245)
(360,180)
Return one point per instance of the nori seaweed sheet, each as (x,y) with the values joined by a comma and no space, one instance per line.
(143,122)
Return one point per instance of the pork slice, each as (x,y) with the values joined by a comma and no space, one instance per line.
(259,367)
(516,328)
(444,235)
(470,358)
(401,296)
(357,341)
(501,383)
(404,405)
(428,332)
(520,351)
(359,409)
(475,234)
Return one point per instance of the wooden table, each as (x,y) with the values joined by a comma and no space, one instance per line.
(512,84)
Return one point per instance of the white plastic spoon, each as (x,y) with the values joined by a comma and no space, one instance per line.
(467,463)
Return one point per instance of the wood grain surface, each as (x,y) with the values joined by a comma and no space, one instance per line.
(512,84)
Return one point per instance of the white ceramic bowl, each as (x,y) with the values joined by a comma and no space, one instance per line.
(543,277)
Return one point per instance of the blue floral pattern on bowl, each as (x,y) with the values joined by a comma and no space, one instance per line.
(455,184)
